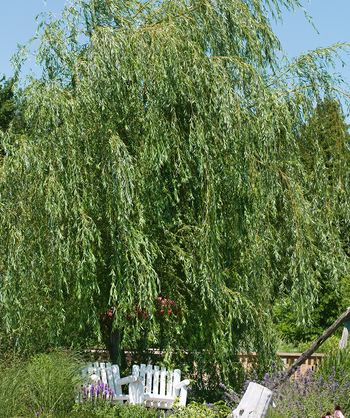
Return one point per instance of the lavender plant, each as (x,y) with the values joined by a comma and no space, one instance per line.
(311,395)
(44,413)
(307,395)
(96,397)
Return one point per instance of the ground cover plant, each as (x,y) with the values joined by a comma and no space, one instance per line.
(194,410)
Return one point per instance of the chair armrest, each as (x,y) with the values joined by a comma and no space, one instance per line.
(181,384)
(128,379)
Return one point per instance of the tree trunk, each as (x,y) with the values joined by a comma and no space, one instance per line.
(116,350)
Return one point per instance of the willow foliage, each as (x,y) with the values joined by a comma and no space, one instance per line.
(162,159)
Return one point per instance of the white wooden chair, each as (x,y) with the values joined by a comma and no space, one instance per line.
(158,388)
(107,373)
(255,402)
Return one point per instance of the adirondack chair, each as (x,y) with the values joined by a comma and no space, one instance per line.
(109,374)
(255,402)
(158,388)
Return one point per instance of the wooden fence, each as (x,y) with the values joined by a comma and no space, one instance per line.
(288,359)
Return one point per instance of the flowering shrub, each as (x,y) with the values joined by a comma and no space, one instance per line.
(163,307)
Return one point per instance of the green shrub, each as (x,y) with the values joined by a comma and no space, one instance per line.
(86,414)
(197,410)
(103,409)
(134,411)
(337,359)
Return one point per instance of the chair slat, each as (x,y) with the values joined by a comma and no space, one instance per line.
(135,370)
(170,381)
(110,377)
(156,381)
(162,381)
(143,373)
(149,375)
(116,376)
(177,379)
(103,373)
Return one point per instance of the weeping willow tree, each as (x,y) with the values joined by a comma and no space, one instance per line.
(162,160)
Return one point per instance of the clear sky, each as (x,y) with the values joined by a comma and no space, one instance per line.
(331,17)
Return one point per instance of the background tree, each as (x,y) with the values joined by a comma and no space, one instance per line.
(7,102)
(9,109)
(164,161)
(323,137)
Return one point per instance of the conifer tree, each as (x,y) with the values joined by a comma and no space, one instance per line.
(323,137)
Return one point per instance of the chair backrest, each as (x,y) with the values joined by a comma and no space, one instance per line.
(158,381)
(255,402)
(113,375)
(105,372)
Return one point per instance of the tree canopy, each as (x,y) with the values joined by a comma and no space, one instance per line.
(327,128)
(163,159)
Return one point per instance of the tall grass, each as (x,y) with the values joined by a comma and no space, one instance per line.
(52,381)
(12,398)
(43,383)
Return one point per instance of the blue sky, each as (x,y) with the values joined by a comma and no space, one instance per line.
(331,17)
